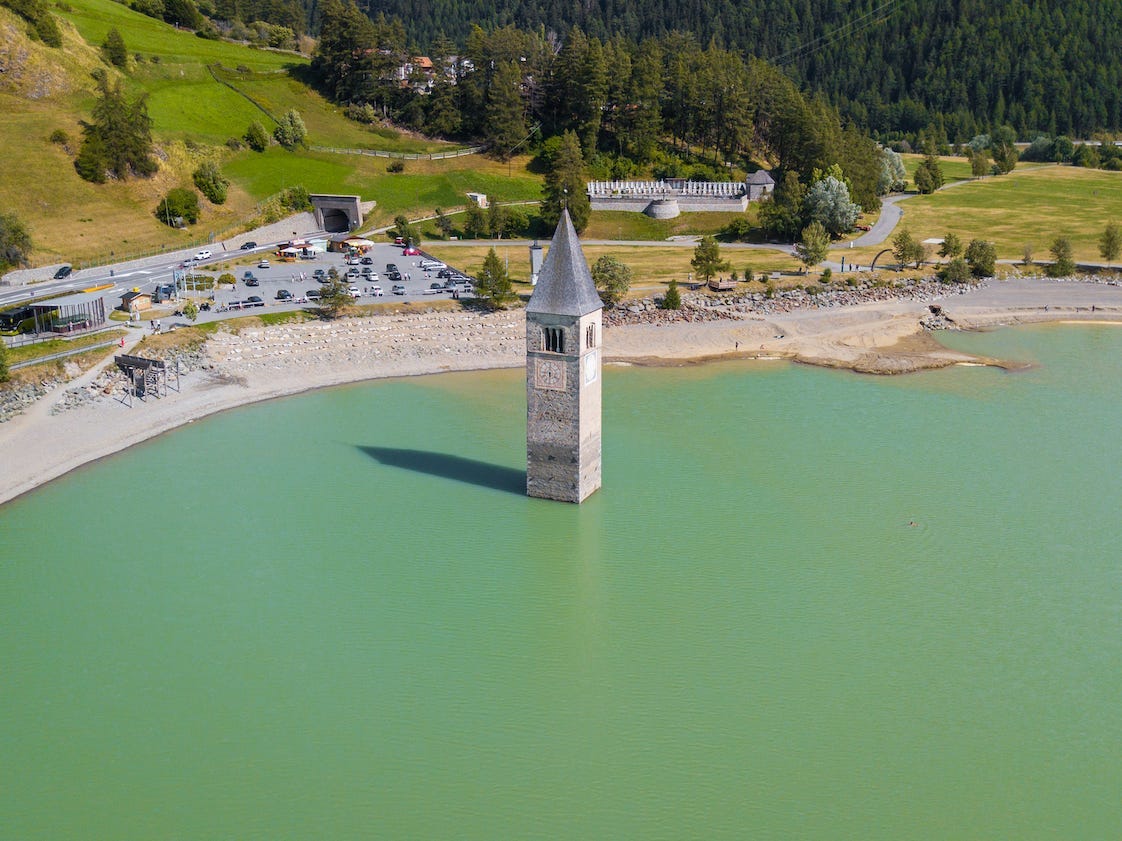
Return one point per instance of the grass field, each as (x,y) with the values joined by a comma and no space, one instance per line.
(615,224)
(423,186)
(1031,206)
(652,267)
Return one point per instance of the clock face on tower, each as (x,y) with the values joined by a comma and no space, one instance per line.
(550,374)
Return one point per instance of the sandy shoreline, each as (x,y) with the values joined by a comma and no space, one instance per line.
(265,363)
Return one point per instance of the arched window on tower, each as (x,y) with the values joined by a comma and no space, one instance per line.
(553,339)
(590,336)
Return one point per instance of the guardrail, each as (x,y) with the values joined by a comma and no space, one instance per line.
(51,357)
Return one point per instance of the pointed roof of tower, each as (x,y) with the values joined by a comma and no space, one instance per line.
(565,285)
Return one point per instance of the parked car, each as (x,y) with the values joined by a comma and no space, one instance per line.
(63,272)
(284,295)
(445,272)
(252,281)
(353,290)
(399,240)
(353,274)
(248,275)
(264,264)
(410,251)
(312,294)
(391,267)
(398,289)
(429,264)
(201,255)
(319,273)
(435,289)
(246,246)
(376,291)
(254,301)
(352,261)
(394,275)
(367,261)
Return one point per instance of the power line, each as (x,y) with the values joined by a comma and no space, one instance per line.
(850,27)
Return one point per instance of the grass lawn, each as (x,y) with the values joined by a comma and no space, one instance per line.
(623,225)
(1031,206)
(151,37)
(36,351)
(416,192)
(652,267)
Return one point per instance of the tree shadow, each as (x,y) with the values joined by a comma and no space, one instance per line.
(447,466)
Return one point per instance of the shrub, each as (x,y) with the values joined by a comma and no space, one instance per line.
(290,131)
(15,241)
(256,138)
(981,256)
(296,199)
(179,203)
(827,274)
(673,298)
(1062,265)
(955,271)
(208,178)
(60,137)
(739,228)
(395,166)
(226,277)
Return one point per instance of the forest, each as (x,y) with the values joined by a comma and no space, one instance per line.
(895,67)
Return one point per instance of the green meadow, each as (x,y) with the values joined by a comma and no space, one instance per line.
(1028,206)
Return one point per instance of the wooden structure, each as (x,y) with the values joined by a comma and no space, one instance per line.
(722,284)
(147,376)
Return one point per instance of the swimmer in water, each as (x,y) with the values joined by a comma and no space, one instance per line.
(912,523)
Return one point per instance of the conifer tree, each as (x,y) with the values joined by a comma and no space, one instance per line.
(1110,243)
(707,260)
(504,111)
(116,53)
(565,186)
(673,298)
(493,284)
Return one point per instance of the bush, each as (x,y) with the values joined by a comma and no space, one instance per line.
(296,199)
(827,274)
(208,178)
(290,131)
(179,204)
(226,277)
(955,271)
(981,256)
(59,137)
(1062,265)
(395,166)
(739,228)
(256,138)
(673,298)
(15,241)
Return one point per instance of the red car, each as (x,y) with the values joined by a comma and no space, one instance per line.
(410,251)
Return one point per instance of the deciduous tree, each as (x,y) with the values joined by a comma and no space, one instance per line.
(612,279)
(981,256)
(15,241)
(828,202)
(813,245)
(208,178)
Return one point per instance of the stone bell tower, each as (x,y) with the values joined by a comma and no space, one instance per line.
(563,338)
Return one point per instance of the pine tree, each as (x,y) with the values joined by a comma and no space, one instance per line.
(493,284)
(1110,243)
(504,111)
(116,53)
(673,298)
(118,140)
(565,186)
(1062,263)
(707,260)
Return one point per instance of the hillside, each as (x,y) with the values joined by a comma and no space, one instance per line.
(200,94)
(893,65)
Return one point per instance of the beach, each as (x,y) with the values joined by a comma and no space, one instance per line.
(261,363)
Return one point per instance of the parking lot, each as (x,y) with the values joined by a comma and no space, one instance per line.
(273,282)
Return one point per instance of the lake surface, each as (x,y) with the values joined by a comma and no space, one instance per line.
(337,617)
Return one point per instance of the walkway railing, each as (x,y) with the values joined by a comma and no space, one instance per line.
(404,156)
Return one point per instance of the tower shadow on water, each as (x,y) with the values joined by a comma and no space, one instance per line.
(447,466)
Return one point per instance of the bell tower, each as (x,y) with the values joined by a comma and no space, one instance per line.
(563,338)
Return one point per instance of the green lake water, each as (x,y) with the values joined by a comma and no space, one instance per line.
(337,617)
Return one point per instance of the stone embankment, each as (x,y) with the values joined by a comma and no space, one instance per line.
(112,384)
(18,399)
(701,307)
(462,341)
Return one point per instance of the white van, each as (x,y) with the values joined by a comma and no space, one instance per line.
(428,264)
